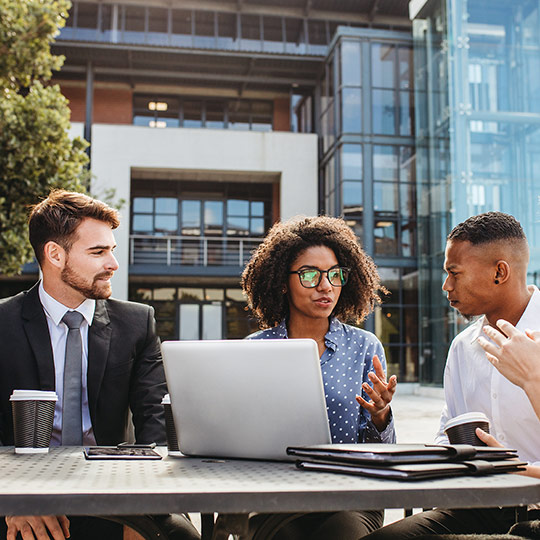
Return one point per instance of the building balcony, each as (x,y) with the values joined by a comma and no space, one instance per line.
(190,255)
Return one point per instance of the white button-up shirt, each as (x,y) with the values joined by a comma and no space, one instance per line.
(58,332)
(472,384)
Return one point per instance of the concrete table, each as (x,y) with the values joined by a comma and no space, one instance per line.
(63,482)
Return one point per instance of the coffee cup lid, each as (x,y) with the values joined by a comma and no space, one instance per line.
(25,395)
(166,400)
(465,418)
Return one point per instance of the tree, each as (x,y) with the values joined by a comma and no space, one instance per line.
(36,153)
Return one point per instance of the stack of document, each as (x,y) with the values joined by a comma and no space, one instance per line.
(406,461)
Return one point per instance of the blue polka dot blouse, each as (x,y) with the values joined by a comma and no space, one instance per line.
(345,365)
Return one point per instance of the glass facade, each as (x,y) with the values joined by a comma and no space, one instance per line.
(366,127)
(220,29)
(477,95)
(163,111)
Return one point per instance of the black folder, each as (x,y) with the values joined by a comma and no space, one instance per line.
(416,471)
(391,454)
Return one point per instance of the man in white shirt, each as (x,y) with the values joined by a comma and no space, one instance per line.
(101,356)
(486,263)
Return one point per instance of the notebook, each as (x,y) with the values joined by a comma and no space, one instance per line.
(246,398)
(391,454)
(417,471)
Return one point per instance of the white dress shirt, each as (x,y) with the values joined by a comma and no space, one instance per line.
(472,384)
(58,332)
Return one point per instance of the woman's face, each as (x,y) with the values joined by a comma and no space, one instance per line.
(317,302)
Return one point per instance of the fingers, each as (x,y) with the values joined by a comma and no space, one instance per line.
(378,367)
(533,334)
(509,329)
(490,348)
(494,335)
(35,527)
(55,527)
(490,440)
(64,523)
(493,359)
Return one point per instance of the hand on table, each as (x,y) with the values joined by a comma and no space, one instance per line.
(517,357)
(490,440)
(381,395)
(36,527)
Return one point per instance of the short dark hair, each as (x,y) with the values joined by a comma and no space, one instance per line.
(267,273)
(488,227)
(57,217)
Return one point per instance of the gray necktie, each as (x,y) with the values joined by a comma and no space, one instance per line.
(72,402)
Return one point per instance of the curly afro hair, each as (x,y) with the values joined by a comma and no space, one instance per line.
(267,273)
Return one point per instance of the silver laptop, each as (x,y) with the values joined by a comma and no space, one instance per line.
(246,398)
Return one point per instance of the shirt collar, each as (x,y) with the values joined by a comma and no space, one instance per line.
(529,319)
(331,338)
(56,310)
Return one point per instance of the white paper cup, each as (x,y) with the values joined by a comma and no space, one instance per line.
(462,428)
(33,415)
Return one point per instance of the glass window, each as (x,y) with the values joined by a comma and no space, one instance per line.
(257,226)
(385,238)
(237,226)
(251,32)
(237,207)
(351,162)
(406,106)
(191,217)
(384,112)
(205,34)
(257,208)
(143,204)
(351,110)
(385,196)
(385,163)
(273,34)
(166,224)
(352,196)
(134,18)
(192,114)
(317,35)
(215,114)
(166,205)
(181,21)
(157,20)
(227,27)
(382,65)
(213,217)
(405,59)
(143,223)
(87,15)
(351,56)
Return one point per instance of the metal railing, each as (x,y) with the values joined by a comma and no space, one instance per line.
(191,250)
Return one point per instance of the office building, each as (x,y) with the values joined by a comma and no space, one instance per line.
(214,119)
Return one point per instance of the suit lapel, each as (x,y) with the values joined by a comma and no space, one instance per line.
(37,333)
(99,339)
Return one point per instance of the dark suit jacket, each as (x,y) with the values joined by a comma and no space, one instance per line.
(124,366)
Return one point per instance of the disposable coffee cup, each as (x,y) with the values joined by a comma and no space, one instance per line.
(33,415)
(172,440)
(462,428)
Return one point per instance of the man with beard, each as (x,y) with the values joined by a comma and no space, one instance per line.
(486,263)
(117,359)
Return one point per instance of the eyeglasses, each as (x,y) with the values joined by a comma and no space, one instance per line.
(311,277)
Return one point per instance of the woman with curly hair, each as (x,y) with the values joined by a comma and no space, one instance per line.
(307,279)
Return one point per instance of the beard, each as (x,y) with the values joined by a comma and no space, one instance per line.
(95,290)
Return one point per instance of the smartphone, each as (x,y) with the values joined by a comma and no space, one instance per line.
(113,452)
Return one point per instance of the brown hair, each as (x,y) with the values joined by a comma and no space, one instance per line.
(267,273)
(57,217)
